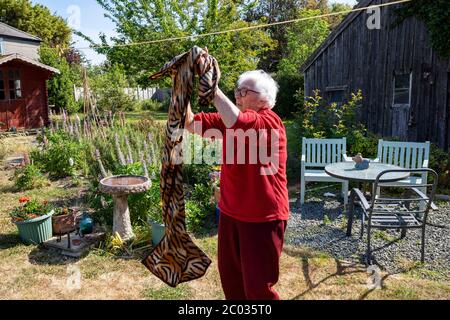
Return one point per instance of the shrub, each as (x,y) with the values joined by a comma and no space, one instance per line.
(107,83)
(361,141)
(200,206)
(290,86)
(29,177)
(195,216)
(440,162)
(320,120)
(60,159)
(151,105)
(194,174)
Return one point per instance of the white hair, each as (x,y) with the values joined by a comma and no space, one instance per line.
(264,84)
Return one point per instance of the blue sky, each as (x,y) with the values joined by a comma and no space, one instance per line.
(88,17)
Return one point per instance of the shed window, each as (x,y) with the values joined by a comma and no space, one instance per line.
(336,94)
(402,88)
(2,49)
(15,85)
(2,86)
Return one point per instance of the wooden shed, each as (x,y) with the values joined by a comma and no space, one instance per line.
(405,84)
(23,91)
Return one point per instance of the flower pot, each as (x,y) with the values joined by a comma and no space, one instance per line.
(63,224)
(158,231)
(35,231)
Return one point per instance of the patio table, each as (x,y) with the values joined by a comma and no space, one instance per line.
(347,171)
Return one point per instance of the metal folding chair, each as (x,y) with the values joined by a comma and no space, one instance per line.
(390,212)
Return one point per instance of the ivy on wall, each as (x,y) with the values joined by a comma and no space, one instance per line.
(436,16)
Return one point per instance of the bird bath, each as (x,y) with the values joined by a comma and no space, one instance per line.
(120,187)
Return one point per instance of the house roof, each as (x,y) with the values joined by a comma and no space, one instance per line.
(8,31)
(335,33)
(16,56)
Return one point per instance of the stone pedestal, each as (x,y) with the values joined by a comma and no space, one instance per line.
(120,187)
(121,219)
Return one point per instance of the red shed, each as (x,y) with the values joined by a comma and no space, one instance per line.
(23,92)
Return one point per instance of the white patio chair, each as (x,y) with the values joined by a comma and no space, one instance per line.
(408,155)
(318,153)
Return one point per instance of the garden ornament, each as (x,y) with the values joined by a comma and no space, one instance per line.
(361,163)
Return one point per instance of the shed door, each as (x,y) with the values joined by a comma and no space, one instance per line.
(401,105)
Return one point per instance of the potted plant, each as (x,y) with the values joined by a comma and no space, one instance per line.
(155,218)
(63,221)
(33,220)
(158,228)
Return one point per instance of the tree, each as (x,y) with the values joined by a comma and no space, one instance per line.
(272,11)
(60,87)
(107,83)
(302,39)
(36,20)
(147,20)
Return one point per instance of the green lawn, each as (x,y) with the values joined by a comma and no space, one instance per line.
(32,272)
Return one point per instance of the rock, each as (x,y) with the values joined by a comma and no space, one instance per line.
(329,195)
(305,228)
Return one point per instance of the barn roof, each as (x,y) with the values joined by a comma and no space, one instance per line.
(16,56)
(335,33)
(8,31)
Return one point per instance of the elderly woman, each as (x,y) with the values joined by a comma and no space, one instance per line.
(254,201)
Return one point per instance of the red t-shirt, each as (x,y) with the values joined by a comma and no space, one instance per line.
(253,181)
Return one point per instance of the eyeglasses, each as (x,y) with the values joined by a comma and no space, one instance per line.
(242,92)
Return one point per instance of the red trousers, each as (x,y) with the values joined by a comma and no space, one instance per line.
(249,256)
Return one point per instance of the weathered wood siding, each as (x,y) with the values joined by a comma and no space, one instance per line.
(365,59)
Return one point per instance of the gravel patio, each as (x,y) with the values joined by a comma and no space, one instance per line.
(320,224)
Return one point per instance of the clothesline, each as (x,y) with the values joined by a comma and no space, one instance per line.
(244,28)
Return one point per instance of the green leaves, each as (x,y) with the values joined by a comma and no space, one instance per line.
(60,87)
(436,15)
(108,84)
(30,209)
(36,20)
(148,20)
(29,177)
(302,39)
